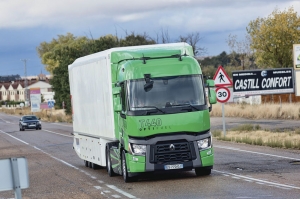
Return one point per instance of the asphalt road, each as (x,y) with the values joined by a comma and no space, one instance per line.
(240,171)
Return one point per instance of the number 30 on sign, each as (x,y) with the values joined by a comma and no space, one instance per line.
(223,94)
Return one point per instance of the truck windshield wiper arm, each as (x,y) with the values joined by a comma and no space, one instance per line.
(186,104)
(150,107)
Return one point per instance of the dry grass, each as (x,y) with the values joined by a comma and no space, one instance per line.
(263,111)
(287,139)
(45,115)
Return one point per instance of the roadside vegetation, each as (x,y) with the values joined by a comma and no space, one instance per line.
(45,115)
(289,111)
(252,134)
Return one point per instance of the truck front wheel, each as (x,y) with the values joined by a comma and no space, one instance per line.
(124,170)
(109,169)
(203,171)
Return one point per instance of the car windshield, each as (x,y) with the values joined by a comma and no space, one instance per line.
(166,92)
(30,118)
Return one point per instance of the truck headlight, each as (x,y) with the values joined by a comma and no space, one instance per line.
(137,149)
(204,143)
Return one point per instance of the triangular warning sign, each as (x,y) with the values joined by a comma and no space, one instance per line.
(221,78)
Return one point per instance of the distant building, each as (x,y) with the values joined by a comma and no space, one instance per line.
(9,78)
(12,87)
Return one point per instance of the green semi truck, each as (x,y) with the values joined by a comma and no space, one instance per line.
(142,109)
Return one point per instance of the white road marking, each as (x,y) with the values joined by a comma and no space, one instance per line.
(120,191)
(57,133)
(62,125)
(259,180)
(266,154)
(72,166)
(116,196)
(15,137)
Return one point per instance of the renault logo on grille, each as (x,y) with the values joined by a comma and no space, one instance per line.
(172,147)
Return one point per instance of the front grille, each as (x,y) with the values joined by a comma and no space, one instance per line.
(173,157)
(172,151)
(163,148)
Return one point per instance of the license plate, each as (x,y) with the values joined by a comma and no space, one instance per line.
(174,166)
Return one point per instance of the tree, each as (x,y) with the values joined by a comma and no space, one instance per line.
(135,40)
(45,50)
(193,39)
(64,52)
(242,48)
(273,38)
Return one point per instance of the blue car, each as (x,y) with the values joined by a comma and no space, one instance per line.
(30,122)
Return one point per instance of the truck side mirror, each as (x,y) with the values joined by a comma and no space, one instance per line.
(212,96)
(117,104)
(210,83)
(117,99)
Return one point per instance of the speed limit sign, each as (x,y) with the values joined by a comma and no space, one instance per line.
(223,94)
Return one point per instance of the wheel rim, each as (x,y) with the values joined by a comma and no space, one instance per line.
(108,162)
(124,167)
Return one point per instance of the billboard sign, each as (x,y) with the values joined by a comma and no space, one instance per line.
(296,53)
(260,82)
(35,99)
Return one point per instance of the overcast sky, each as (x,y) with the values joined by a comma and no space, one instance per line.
(24,24)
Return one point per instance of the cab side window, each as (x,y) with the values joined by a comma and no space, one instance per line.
(123,97)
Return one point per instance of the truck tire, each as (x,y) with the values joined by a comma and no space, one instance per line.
(86,163)
(95,166)
(124,170)
(109,169)
(202,171)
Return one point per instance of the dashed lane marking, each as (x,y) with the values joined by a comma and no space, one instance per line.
(259,153)
(57,133)
(259,181)
(120,191)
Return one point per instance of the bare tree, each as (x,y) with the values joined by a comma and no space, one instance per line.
(242,48)
(165,37)
(193,39)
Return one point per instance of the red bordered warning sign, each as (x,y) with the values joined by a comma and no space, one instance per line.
(221,78)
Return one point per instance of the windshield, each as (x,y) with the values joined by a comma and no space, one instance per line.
(166,92)
(29,118)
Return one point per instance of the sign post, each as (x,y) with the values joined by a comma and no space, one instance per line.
(223,94)
(296,56)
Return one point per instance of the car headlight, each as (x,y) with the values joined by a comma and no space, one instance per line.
(204,143)
(137,149)
(39,122)
(23,123)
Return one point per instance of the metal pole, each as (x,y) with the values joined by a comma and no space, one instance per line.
(16,178)
(25,81)
(223,116)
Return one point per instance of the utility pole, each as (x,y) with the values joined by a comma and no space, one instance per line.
(25,82)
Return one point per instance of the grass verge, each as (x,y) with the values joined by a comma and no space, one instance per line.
(45,115)
(252,134)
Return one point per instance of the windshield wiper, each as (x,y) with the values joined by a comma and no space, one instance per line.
(150,107)
(186,104)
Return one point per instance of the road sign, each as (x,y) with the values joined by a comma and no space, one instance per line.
(221,78)
(223,94)
(14,174)
(50,104)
